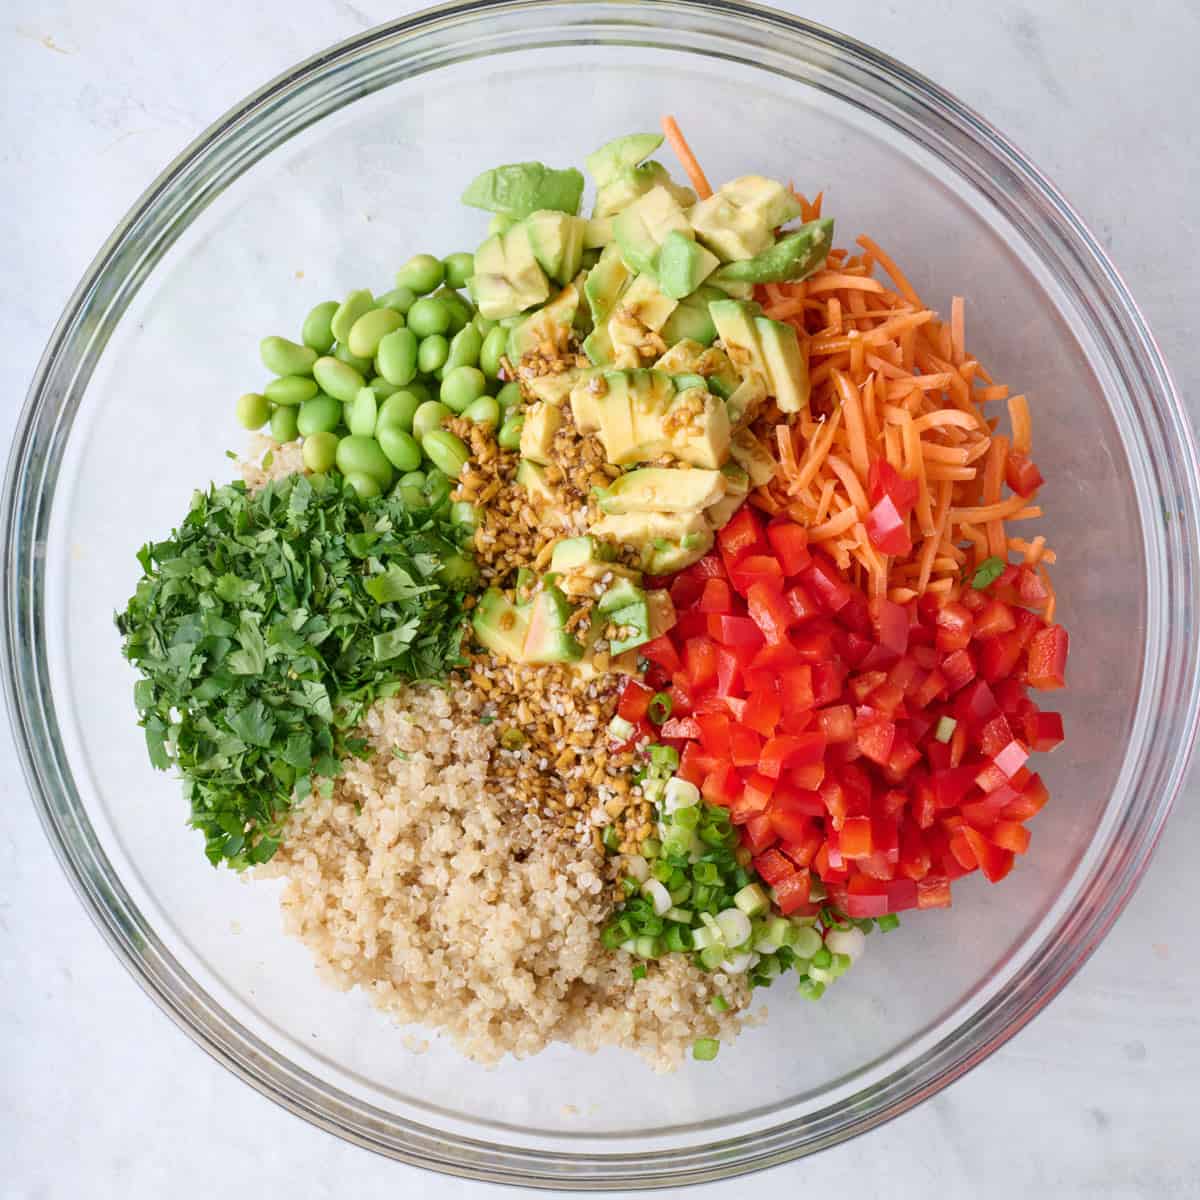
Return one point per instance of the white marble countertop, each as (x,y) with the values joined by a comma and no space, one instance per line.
(1096,1098)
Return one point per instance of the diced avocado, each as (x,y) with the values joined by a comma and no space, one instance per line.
(734,320)
(683,382)
(553,389)
(641,310)
(667,557)
(767,198)
(621,153)
(689,357)
(547,640)
(663,489)
(683,264)
(623,189)
(500,625)
(585,397)
(732,288)
(598,347)
(729,232)
(682,358)
(556,240)
(787,372)
(598,233)
(692,319)
(551,323)
(620,593)
(518,189)
(533,479)
(574,552)
(507,277)
(605,283)
(747,398)
(662,611)
(666,541)
(642,227)
(542,422)
(632,625)
(794,256)
(737,487)
(697,426)
(748,452)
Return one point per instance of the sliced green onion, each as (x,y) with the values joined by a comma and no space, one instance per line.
(817,890)
(629,885)
(841,964)
(638,971)
(646,947)
(680,794)
(737,964)
(678,939)
(712,956)
(657,895)
(638,867)
(686,818)
(719,1004)
(704,937)
(849,942)
(806,942)
(823,974)
(945,729)
(705,1049)
(811,989)
(678,914)
(620,730)
(665,757)
(734,926)
(652,789)
(659,708)
(988,572)
(611,838)
(888,922)
(651,847)
(752,900)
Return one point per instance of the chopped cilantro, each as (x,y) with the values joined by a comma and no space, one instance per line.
(988,572)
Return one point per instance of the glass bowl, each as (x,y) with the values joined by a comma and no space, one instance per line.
(330,177)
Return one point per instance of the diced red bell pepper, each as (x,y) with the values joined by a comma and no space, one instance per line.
(1021,474)
(762,713)
(1030,802)
(740,535)
(694,764)
(792,893)
(700,662)
(891,624)
(933,892)
(791,750)
(901,895)
(865,898)
(769,610)
(959,670)
(999,655)
(954,627)
(751,803)
(976,704)
(825,581)
(1010,835)
(722,786)
(1048,658)
(734,631)
(633,701)
(903,758)
(691,623)
(994,734)
(789,541)
(662,650)
(801,603)
(758,833)
(827,682)
(796,688)
(759,788)
(755,568)
(950,787)
(1044,731)
(914,861)
(887,698)
(837,723)
(791,826)
(854,839)
(875,739)
(729,673)
(993,618)
(676,728)
(685,590)
(682,701)
(812,645)
(887,529)
(824,868)
(714,733)
(994,861)
(1031,588)
(772,867)
(933,686)
(1011,759)
(745,745)
(709,567)
(788,796)
(717,597)
(884,480)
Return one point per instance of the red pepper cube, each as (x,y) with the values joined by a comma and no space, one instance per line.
(932,686)
(769,610)
(661,650)
(837,723)
(796,688)
(802,604)
(855,839)
(1021,474)
(994,862)
(745,745)
(772,867)
(758,834)
(792,893)
(634,700)
(827,683)
(884,480)
(955,626)
(717,597)
(1048,658)
(791,826)
(825,581)
(762,712)
(756,568)
(891,623)
(1011,759)
(1010,835)
(789,541)
(792,751)
(714,733)
(722,786)
(887,529)
(1032,588)
(933,892)
(994,735)
(700,662)
(1044,731)
(875,738)
(995,617)
(959,670)
(740,535)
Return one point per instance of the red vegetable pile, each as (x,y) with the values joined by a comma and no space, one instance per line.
(878,747)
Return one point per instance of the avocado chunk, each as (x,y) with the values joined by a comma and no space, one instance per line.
(690,357)
(794,256)
(787,372)
(631,626)
(597,233)
(500,625)
(547,639)
(552,323)
(553,389)
(663,489)
(662,611)
(620,594)
(623,189)
(666,542)
(748,452)
(518,189)
(766,198)
(691,319)
(542,422)
(556,239)
(729,232)
(621,153)
(605,282)
(641,311)
(598,347)
(507,277)
(746,400)
(734,320)
(573,553)
(641,228)
(737,488)
(532,478)
(683,264)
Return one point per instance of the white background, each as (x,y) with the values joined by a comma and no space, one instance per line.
(101,1096)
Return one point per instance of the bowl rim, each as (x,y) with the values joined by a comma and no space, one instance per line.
(61,378)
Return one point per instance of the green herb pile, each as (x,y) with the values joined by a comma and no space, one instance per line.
(267,624)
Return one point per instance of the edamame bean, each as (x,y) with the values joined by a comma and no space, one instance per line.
(410,497)
(350,309)
(397,356)
(291,390)
(317,332)
(428,417)
(367,486)
(509,436)
(422,273)
(485,325)
(420,389)
(461,311)
(500,223)
(283,357)
(361,413)
(337,378)
(343,353)
(370,329)
(400,447)
(415,479)
(484,411)
(432,353)
(509,396)
(382,387)
(283,425)
(428,316)
(458,268)
(464,349)
(437,487)
(321,414)
(463,512)
(253,410)
(365,455)
(458,569)
(397,410)
(446,451)
(401,299)
(494,346)
(461,386)
(320,451)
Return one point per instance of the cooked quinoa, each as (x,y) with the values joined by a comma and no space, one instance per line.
(418,882)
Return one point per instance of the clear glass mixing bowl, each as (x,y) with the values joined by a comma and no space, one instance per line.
(329,178)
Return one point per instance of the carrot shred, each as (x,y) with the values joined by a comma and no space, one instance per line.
(1022,425)
(687,159)
(957,331)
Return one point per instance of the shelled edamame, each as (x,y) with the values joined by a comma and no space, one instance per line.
(372,379)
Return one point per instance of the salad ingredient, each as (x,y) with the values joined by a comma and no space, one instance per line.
(266,625)
(253,411)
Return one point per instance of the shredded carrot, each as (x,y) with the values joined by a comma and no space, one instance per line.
(1022,425)
(688,160)
(957,331)
(833,281)
(905,288)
